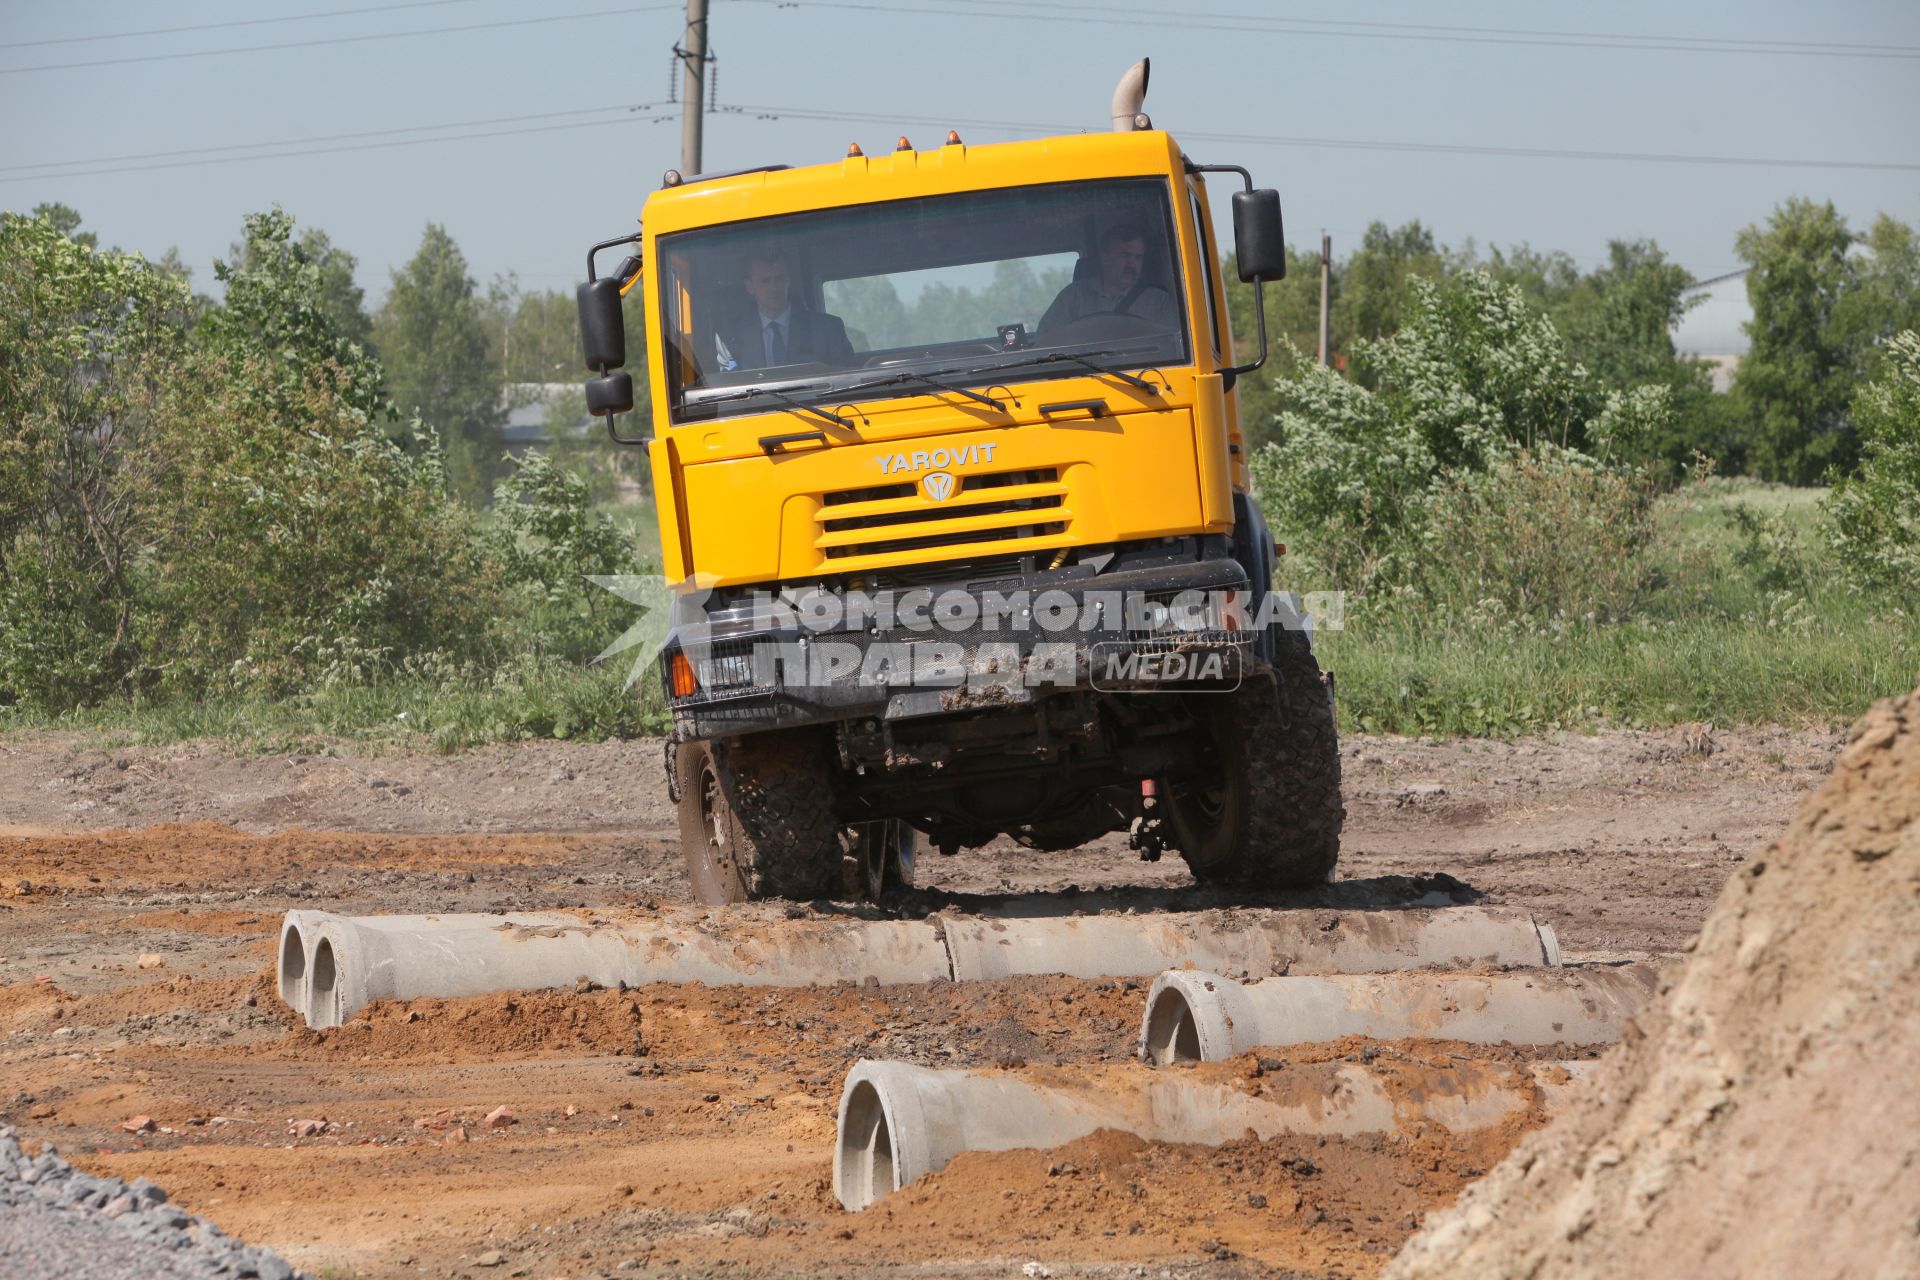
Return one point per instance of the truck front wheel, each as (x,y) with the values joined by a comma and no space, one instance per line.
(756,817)
(1270,816)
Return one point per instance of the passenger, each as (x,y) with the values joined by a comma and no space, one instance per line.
(776,332)
(1117,288)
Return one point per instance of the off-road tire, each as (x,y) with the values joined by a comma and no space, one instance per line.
(756,817)
(1273,821)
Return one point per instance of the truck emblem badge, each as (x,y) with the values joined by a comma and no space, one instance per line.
(959,455)
(938,484)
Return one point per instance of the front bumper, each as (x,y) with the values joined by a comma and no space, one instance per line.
(959,647)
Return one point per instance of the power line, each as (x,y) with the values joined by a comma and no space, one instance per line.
(49,166)
(238,22)
(1715,44)
(294,147)
(1262,25)
(338,40)
(1346,144)
(325,151)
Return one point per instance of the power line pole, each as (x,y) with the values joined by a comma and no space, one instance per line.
(1326,287)
(693,56)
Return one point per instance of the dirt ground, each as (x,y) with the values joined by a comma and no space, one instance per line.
(687,1130)
(1759,1118)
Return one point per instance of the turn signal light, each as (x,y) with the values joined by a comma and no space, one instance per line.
(681,672)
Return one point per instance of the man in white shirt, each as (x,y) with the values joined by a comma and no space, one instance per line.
(1116,289)
(776,333)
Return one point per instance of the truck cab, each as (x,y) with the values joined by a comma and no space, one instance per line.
(954,497)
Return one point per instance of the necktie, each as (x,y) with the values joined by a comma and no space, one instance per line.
(776,344)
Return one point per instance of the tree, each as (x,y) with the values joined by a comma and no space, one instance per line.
(1619,321)
(1885,298)
(1795,383)
(1874,515)
(85,338)
(283,315)
(1377,280)
(1471,406)
(442,362)
(65,219)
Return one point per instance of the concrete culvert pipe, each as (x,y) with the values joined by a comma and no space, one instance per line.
(899,1122)
(351,961)
(402,957)
(1249,942)
(296,946)
(1202,1017)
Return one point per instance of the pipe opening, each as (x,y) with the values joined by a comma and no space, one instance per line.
(865,1153)
(1172,1035)
(293,967)
(320,1004)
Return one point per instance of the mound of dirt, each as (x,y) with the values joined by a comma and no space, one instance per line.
(1762,1118)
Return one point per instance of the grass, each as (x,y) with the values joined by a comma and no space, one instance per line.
(1746,622)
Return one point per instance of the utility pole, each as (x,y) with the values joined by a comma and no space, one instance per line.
(693,56)
(1326,287)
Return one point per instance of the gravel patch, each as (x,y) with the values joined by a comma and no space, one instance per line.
(57,1222)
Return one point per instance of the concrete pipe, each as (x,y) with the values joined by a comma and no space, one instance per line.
(1201,1017)
(1252,943)
(297,939)
(899,1122)
(350,961)
(330,966)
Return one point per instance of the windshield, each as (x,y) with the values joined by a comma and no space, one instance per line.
(962,288)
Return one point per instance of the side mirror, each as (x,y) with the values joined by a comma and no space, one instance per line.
(603,330)
(1259,242)
(610,394)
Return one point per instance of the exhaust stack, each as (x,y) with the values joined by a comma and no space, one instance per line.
(1128,98)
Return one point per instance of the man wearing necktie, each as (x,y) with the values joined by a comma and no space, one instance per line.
(776,333)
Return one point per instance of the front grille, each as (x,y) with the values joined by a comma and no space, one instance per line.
(1001,506)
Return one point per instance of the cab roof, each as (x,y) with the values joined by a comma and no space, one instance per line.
(900,175)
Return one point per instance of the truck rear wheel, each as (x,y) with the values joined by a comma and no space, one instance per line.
(756,817)
(1273,818)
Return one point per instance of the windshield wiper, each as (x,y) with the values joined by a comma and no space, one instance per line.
(1070,357)
(923,380)
(796,405)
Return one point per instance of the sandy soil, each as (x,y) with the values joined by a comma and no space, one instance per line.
(1760,1118)
(689,1129)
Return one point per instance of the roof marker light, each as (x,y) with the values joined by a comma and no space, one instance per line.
(953,137)
(853,149)
(671,178)
(903,144)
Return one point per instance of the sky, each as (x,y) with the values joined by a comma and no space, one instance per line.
(1286,89)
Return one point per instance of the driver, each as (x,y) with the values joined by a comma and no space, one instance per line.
(774,331)
(1116,289)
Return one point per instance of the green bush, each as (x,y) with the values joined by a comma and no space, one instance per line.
(86,340)
(1540,534)
(553,542)
(1479,429)
(220,507)
(287,531)
(1874,515)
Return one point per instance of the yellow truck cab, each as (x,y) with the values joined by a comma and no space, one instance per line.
(952,490)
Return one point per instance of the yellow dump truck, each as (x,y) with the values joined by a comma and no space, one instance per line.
(954,497)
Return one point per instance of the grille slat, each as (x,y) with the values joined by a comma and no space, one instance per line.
(882,520)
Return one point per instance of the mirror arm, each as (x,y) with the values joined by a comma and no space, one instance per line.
(1234,373)
(607,244)
(614,435)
